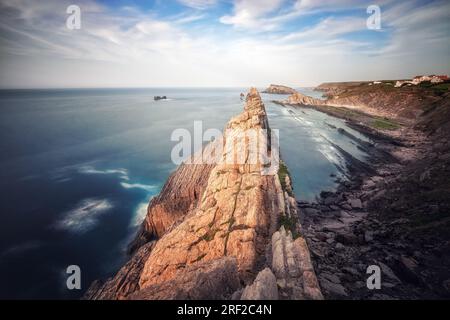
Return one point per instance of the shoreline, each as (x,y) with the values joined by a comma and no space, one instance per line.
(345,230)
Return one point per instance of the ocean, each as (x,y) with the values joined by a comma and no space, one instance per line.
(78,167)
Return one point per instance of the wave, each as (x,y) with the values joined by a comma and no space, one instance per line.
(140,214)
(123,173)
(84,216)
(146,187)
(21,248)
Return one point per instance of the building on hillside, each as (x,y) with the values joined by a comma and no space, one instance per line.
(419,79)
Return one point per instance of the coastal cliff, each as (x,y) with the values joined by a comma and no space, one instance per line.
(393,211)
(220,231)
(279,89)
(383,98)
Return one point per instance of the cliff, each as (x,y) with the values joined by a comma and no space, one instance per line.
(279,89)
(405,103)
(220,231)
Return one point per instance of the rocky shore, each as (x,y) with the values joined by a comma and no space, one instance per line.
(393,211)
(222,231)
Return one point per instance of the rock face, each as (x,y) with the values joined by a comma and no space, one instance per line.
(406,103)
(174,202)
(263,288)
(298,98)
(292,266)
(214,279)
(214,230)
(279,89)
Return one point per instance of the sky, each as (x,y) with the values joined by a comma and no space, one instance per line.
(219,43)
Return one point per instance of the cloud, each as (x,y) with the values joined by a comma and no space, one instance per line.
(84,216)
(198,4)
(417,28)
(254,43)
(328,28)
(252,14)
(308,6)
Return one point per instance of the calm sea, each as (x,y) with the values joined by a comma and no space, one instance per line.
(78,168)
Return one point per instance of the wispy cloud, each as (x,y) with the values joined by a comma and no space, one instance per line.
(418,29)
(328,28)
(198,4)
(252,14)
(247,43)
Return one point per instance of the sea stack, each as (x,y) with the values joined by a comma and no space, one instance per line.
(220,231)
(279,89)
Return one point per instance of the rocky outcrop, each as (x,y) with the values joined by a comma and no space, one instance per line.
(298,98)
(215,280)
(292,266)
(279,89)
(263,288)
(174,203)
(214,228)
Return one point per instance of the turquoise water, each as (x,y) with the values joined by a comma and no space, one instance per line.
(79,167)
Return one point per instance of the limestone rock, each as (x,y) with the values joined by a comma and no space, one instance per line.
(233,217)
(291,264)
(299,98)
(216,279)
(174,202)
(263,288)
(279,89)
(214,227)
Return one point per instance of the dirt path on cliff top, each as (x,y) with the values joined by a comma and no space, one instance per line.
(371,220)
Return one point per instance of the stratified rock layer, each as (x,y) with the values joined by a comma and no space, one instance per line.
(215,227)
(299,98)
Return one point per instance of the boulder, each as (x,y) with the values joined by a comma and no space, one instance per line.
(263,288)
(355,203)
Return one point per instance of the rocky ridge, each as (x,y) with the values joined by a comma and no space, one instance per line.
(223,231)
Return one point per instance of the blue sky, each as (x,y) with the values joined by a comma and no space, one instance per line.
(142,43)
